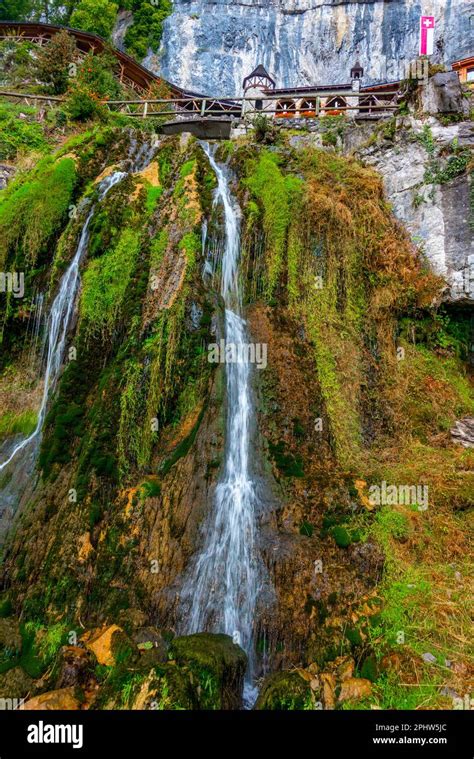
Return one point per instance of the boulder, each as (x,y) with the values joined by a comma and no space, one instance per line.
(286,691)
(109,644)
(218,666)
(74,667)
(355,688)
(152,646)
(167,687)
(15,684)
(443,94)
(63,699)
(463,432)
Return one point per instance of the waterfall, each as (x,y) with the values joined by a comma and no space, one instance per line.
(220,591)
(59,321)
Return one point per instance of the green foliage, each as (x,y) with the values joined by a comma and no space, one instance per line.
(18,135)
(306,529)
(40,646)
(6,608)
(95,16)
(53,62)
(32,211)
(289,465)
(106,281)
(94,82)
(275,194)
(147,27)
(265,129)
(21,423)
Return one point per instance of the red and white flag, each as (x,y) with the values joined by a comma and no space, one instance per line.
(426,35)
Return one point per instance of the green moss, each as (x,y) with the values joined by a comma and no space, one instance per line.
(153,194)
(106,282)
(275,193)
(21,423)
(32,211)
(6,608)
(289,465)
(19,135)
(285,691)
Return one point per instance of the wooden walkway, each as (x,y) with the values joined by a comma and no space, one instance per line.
(187,106)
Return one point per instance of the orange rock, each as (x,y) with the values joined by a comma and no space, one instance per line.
(104,642)
(54,699)
(355,688)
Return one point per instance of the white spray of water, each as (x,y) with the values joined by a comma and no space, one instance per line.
(59,321)
(221,589)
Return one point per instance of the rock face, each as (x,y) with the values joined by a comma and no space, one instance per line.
(107,644)
(463,432)
(433,202)
(443,94)
(216,660)
(210,46)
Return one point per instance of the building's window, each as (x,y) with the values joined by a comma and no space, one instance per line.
(258,105)
(470,75)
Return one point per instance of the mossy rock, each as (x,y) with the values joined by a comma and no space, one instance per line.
(166,688)
(15,684)
(342,537)
(218,664)
(285,691)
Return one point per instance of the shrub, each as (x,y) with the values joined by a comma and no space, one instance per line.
(106,281)
(19,134)
(53,61)
(94,83)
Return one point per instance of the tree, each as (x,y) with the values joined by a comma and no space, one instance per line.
(54,60)
(15,10)
(95,16)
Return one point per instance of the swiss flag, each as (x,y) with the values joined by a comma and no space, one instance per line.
(427,24)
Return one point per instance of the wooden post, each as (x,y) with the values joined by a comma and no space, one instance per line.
(203,108)
(318,105)
(145,109)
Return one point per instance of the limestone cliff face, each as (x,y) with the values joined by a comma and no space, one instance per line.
(434,207)
(210,45)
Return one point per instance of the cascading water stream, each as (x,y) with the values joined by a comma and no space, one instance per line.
(60,319)
(221,589)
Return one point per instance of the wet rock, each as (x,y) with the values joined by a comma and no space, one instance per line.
(285,691)
(329,690)
(109,644)
(75,666)
(15,684)
(463,432)
(166,687)
(63,699)
(368,557)
(443,94)
(6,173)
(132,619)
(342,667)
(152,646)
(218,664)
(355,688)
